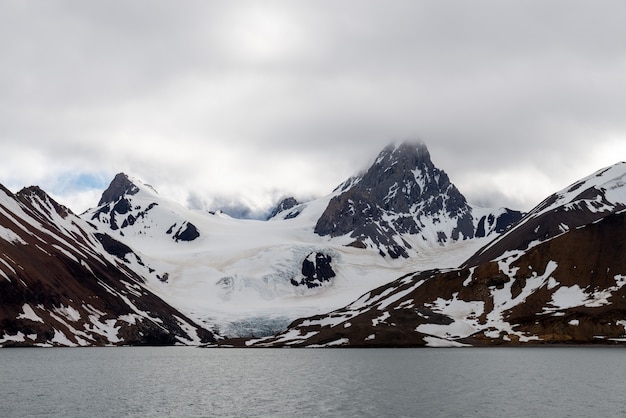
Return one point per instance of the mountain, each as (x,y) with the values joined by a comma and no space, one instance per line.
(557,276)
(129,205)
(403,194)
(63,283)
(140,268)
(586,201)
(252,278)
(243,277)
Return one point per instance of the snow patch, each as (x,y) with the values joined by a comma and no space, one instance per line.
(440,342)
(18,338)
(464,316)
(381,319)
(29,313)
(10,236)
(336,343)
(68,312)
(61,339)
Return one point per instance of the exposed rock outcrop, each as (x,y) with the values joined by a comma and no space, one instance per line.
(285,205)
(316,270)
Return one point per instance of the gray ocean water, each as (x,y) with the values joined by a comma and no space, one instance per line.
(192,382)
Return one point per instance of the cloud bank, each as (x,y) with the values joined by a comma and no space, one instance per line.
(238,103)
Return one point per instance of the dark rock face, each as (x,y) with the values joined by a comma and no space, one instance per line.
(284,205)
(189,233)
(399,194)
(113,246)
(316,269)
(120,186)
(498,224)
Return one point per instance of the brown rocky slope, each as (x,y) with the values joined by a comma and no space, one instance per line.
(63,284)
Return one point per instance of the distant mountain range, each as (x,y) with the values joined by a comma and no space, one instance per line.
(395,253)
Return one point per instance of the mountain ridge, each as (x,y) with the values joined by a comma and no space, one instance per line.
(467,275)
(59,286)
(403,193)
(567,287)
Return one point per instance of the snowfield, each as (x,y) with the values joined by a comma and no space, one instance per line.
(236,276)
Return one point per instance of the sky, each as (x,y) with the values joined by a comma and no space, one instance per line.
(236,104)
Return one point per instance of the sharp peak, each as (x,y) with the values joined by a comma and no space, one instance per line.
(122,184)
(409,153)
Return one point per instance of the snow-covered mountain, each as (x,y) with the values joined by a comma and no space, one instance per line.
(557,276)
(140,268)
(402,198)
(251,277)
(63,283)
(584,202)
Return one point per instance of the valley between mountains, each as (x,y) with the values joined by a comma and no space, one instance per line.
(394,256)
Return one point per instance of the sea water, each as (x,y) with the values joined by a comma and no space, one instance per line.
(194,382)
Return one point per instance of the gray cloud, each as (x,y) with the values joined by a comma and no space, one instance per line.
(234,102)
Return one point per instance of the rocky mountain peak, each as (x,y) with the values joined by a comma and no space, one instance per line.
(120,186)
(404,175)
(399,194)
(34,195)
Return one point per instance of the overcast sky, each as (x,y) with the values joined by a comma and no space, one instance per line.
(232,102)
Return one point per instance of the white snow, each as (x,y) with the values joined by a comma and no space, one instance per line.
(336,343)
(381,319)
(8,266)
(399,295)
(552,283)
(290,337)
(10,236)
(464,317)
(440,342)
(29,313)
(19,337)
(68,312)
(238,270)
(467,281)
(567,297)
(190,330)
(331,320)
(61,339)
(105,328)
(464,314)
